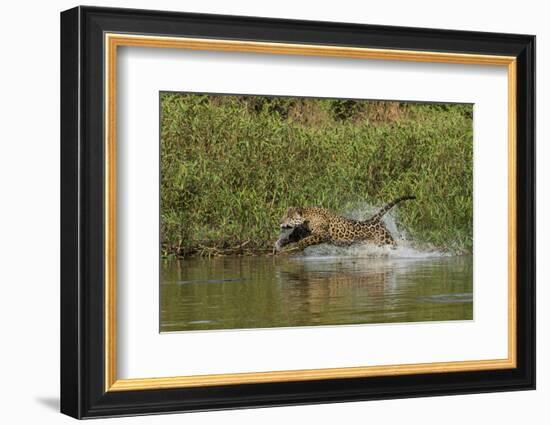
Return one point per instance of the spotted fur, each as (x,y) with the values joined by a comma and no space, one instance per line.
(317,225)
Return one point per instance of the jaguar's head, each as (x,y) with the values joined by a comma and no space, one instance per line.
(293,228)
(293,218)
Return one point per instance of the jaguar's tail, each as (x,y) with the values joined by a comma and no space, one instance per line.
(389,206)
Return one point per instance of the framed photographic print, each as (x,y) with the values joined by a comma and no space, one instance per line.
(261,212)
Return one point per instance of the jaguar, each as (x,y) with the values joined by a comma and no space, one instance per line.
(316,225)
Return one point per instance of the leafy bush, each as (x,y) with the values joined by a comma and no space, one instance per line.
(231,166)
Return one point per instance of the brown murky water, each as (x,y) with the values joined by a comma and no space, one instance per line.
(263,292)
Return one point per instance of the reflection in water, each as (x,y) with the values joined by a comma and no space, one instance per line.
(262,292)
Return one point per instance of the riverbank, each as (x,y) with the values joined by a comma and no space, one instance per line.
(231,166)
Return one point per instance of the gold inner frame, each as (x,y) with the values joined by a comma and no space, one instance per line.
(113,41)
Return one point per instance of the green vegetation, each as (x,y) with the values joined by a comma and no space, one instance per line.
(231,166)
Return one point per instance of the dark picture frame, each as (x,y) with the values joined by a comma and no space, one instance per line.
(88,377)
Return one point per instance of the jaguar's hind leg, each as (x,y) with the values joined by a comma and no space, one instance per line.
(384,237)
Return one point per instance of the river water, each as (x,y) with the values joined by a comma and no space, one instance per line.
(282,291)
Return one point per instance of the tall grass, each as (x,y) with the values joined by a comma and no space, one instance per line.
(231,166)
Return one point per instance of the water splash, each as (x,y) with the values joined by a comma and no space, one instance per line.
(406,248)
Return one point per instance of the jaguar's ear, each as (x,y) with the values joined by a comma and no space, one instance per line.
(299,211)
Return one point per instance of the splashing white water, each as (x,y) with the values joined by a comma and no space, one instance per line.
(405,248)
